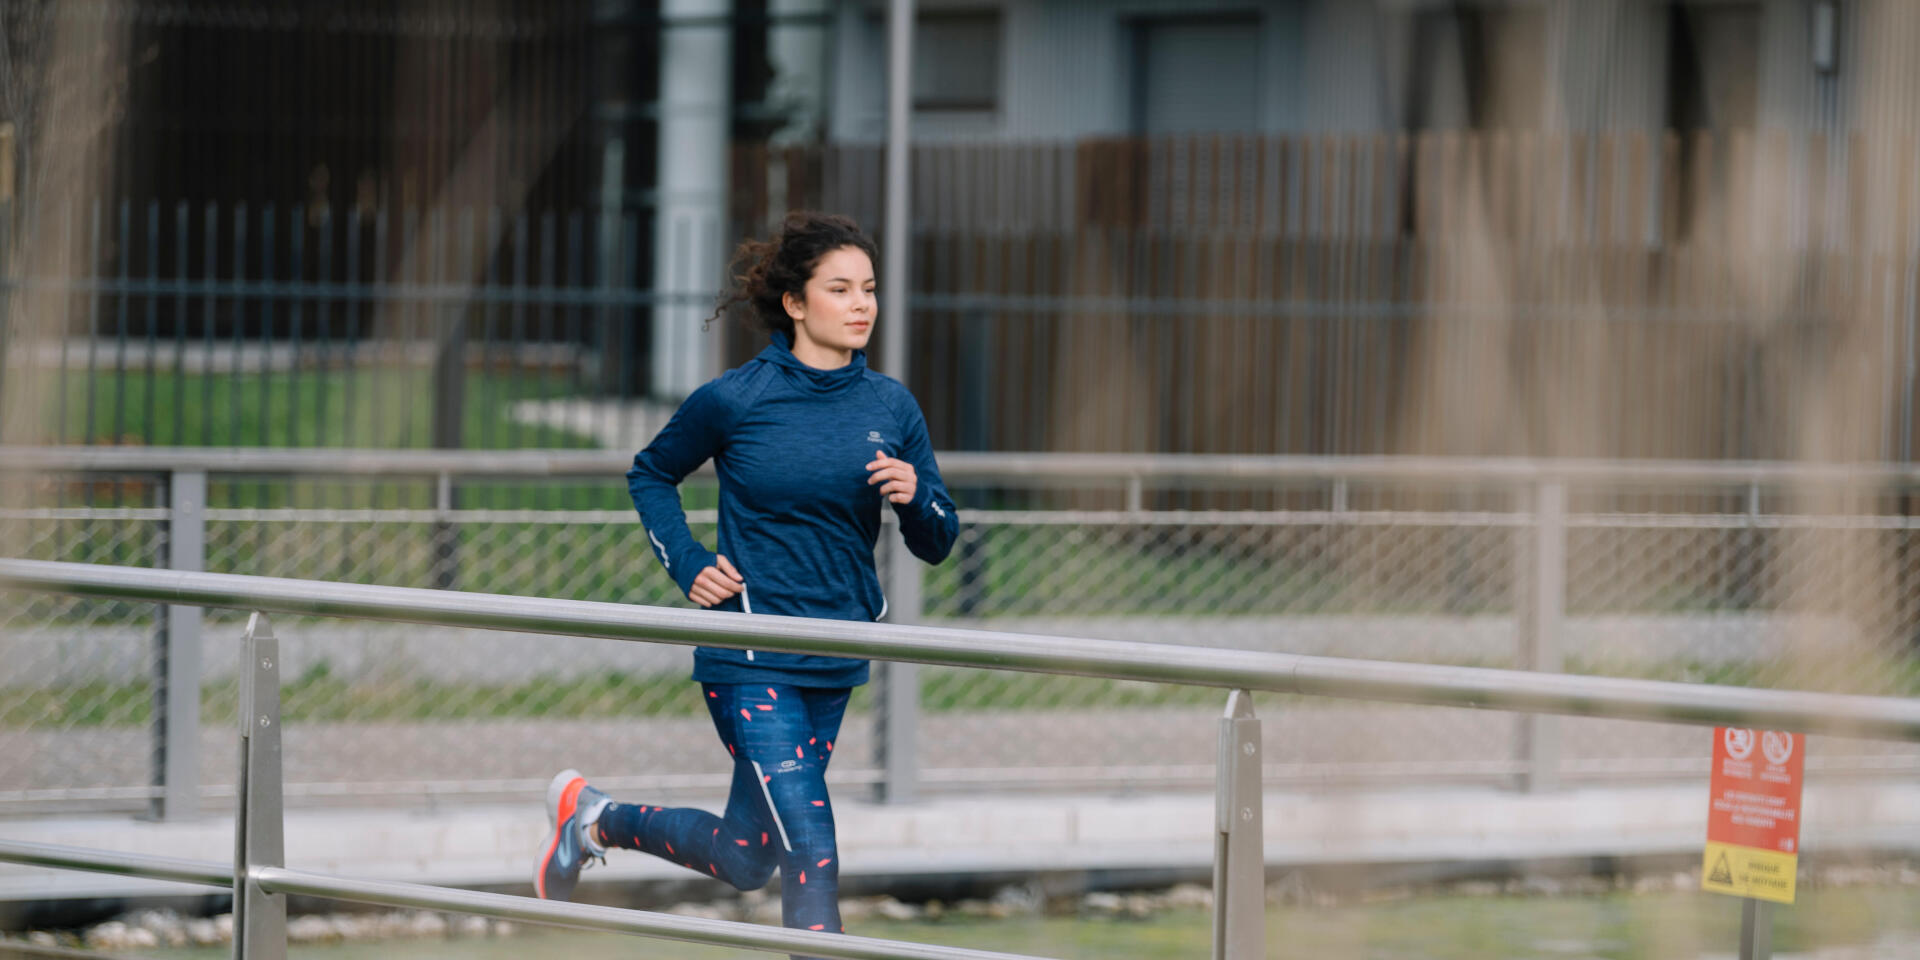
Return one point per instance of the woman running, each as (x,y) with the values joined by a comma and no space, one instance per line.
(808,443)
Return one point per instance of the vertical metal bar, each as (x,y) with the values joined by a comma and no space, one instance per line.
(296,320)
(182,220)
(324,310)
(522,357)
(259,917)
(624,408)
(61,389)
(578,331)
(353,308)
(489,314)
(1544,610)
(450,329)
(239,325)
(899,701)
(551,330)
(1909,299)
(1239,847)
(267,218)
(445,537)
(1756,929)
(11,278)
(147,425)
(177,707)
(893,287)
(88,428)
(123,251)
(209,310)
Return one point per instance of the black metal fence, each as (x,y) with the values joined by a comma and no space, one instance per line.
(1364,297)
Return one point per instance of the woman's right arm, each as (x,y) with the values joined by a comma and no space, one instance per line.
(693,436)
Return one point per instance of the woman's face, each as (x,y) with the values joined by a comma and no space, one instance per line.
(838,309)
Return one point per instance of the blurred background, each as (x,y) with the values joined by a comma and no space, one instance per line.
(1401,252)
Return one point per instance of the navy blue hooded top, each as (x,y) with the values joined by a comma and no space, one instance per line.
(798,519)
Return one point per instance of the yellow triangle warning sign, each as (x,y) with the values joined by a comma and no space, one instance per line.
(1721,873)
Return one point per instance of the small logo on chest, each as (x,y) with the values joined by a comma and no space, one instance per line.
(873,436)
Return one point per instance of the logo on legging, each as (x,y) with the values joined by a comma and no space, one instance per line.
(787,766)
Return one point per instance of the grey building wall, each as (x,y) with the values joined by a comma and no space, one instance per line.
(1345,66)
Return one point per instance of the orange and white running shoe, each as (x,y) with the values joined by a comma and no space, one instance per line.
(573,807)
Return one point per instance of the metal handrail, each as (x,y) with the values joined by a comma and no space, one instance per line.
(260,880)
(1431,684)
(149,867)
(976,466)
(722,933)
(281,880)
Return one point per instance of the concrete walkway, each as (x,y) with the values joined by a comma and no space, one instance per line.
(1013,834)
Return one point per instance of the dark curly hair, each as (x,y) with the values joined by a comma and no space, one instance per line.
(763,271)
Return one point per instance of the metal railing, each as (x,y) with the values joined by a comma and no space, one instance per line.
(261,880)
(1523,534)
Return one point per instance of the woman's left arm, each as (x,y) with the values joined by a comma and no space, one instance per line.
(929,521)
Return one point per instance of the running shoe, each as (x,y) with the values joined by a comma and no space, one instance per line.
(572,807)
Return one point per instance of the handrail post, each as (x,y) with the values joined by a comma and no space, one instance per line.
(259,917)
(176,714)
(1756,929)
(1239,851)
(897,728)
(446,537)
(1543,605)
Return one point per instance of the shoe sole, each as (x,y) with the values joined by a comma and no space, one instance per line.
(563,796)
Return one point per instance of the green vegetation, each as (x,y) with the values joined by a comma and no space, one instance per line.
(361,407)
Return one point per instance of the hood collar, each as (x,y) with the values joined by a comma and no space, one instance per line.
(780,353)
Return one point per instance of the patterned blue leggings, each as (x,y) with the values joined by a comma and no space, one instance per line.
(778,814)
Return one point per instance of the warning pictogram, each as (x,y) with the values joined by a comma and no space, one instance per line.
(1753,820)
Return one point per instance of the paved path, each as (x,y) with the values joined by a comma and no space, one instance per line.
(488,845)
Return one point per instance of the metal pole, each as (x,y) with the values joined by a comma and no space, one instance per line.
(899,682)
(259,917)
(898,730)
(446,538)
(178,716)
(1756,929)
(1542,626)
(894,265)
(1239,850)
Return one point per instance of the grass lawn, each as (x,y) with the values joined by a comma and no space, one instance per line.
(361,407)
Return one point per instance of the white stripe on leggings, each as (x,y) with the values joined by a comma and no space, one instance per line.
(746,606)
(761,776)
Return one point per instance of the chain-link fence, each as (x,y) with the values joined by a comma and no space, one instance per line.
(1703,584)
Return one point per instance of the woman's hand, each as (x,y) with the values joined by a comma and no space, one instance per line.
(898,482)
(716,584)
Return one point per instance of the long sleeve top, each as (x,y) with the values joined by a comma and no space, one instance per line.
(798,518)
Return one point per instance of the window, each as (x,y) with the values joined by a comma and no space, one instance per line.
(956,61)
(1196,74)
(1477,68)
(1713,65)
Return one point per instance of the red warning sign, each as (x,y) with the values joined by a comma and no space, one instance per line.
(1753,822)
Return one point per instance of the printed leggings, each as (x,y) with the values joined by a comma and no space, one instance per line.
(778,813)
